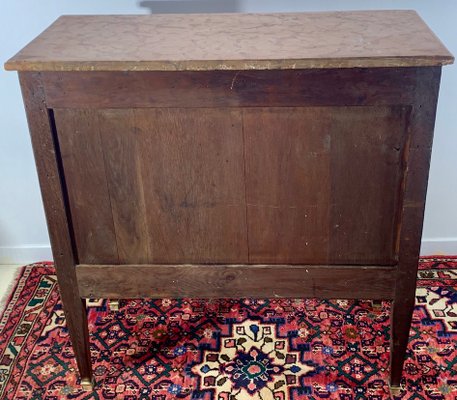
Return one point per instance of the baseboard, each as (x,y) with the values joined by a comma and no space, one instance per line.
(438,246)
(30,254)
(25,254)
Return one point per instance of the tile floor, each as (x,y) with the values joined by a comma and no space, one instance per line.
(7,274)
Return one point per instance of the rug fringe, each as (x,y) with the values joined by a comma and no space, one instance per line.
(4,300)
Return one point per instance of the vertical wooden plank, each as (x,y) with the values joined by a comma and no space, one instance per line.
(47,155)
(287,183)
(82,158)
(366,174)
(121,149)
(323,183)
(193,182)
(417,157)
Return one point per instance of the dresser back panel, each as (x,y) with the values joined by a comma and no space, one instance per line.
(170,181)
(234,185)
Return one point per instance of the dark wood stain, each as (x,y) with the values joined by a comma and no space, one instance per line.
(171,179)
(412,205)
(221,281)
(193,184)
(123,170)
(284,88)
(365,180)
(82,157)
(287,184)
(313,192)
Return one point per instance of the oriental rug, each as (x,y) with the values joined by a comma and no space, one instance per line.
(242,349)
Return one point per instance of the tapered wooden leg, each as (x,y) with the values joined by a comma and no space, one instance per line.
(402,312)
(414,188)
(76,317)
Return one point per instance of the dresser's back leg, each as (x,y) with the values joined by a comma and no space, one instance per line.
(52,183)
(402,311)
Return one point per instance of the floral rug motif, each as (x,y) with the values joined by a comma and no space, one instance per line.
(239,349)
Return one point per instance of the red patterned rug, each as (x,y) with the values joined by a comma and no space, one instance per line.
(271,349)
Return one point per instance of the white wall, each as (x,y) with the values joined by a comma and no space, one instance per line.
(23,234)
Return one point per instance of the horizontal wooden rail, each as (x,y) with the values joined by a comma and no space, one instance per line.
(288,88)
(220,281)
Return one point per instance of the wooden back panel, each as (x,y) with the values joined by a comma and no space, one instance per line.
(323,183)
(297,185)
(168,184)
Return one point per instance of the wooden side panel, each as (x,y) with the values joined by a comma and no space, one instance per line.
(194,184)
(170,181)
(85,177)
(323,183)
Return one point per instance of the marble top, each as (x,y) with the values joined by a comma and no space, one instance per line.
(166,42)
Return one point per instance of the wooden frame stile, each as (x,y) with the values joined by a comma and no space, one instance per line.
(51,178)
(417,162)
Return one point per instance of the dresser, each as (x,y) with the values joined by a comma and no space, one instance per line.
(234,155)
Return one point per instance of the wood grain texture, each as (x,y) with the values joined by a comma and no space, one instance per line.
(412,205)
(175,186)
(233,41)
(337,87)
(287,184)
(193,181)
(220,281)
(367,171)
(123,166)
(170,181)
(323,183)
(85,176)
(47,159)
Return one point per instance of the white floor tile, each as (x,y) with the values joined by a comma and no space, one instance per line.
(7,275)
